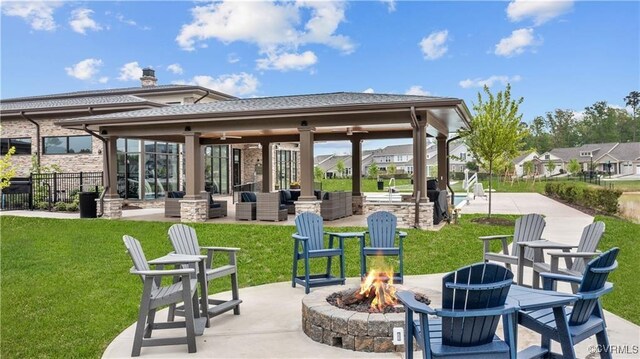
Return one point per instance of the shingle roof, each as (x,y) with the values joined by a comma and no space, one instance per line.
(626,151)
(72,102)
(115,91)
(332,162)
(395,150)
(522,156)
(295,102)
(597,149)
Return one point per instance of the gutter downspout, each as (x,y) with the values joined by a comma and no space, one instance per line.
(453,194)
(37,135)
(414,122)
(106,154)
(203,96)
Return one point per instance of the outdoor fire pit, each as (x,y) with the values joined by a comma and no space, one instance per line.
(360,319)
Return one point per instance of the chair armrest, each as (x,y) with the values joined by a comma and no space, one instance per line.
(162,273)
(608,287)
(486,286)
(585,255)
(296,236)
(501,310)
(221,249)
(401,234)
(408,299)
(548,279)
(177,259)
(491,238)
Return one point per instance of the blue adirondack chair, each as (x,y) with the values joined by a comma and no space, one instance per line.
(473,299)
(309,243)
(584,319)
(382,235)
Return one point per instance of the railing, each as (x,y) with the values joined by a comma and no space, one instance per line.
(469,182)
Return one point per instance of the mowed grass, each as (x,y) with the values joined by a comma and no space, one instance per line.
(66,290)
(367,184)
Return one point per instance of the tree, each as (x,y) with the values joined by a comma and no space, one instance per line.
(373,170)
(633,100)
(551,166)
(562,126)
(340,167)
(538,137)
(472,166)
(7,169)
(318,173)
(496,130)
(391,169)
(527,168)
(574,166)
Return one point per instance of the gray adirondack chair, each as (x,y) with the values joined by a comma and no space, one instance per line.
(586,250)
(309,243)
(473,300)
(154,295)
(585,318)
(382,235)
(528,228)
(185,241)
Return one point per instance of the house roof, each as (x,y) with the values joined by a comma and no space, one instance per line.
(629,151)
(523,156)
(119,91)
(328,101)
(74,102)
(331,162)
(395,150)
(597,149)
(320,158)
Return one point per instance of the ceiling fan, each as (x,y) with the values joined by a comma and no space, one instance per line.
(350,131)
(224,136)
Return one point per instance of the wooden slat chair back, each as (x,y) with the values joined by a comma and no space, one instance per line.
(589,241)
(528,228)
(595,276)
(479,286)
(137,257)
(311,225)
(382,229)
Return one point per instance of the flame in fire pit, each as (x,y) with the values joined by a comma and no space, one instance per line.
(378,287)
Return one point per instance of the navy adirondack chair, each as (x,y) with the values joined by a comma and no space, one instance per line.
(473,300)
(585,318)
(309,243)
(382,235)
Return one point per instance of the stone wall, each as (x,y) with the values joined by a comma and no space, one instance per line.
(405,212)
(90,162)
(194,210)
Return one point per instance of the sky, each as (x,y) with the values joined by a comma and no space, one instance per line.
(555,54)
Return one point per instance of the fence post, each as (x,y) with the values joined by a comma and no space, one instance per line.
(55,188)
(31,191)
(80,181)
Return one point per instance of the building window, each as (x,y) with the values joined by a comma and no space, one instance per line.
(585,154)
(547,157)
(463,156)
(128,168)
(216,173)
(161,170)
(22,145)
(67,145)
(286,168)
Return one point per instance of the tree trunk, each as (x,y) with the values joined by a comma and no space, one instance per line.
(490,182)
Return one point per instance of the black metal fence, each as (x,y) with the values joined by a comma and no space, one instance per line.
(42,190)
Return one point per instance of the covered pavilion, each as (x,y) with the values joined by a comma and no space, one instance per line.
(341,116)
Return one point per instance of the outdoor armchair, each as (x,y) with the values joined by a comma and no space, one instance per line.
(382,236)
(269,208)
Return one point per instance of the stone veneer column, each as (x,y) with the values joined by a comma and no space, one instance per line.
(307,202)
(308,206)
(112,208)
(193,208)
(267,168)
(356,176)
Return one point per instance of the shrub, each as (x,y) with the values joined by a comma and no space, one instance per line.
(602,199)
(60,206)
(71,207)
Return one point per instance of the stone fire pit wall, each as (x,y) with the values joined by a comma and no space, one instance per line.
(366,332)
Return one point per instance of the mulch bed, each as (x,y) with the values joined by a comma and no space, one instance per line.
(495,221)
(335,299)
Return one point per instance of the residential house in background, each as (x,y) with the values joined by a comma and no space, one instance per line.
(524,157)
(614,158)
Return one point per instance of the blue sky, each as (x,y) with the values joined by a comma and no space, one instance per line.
(560,54)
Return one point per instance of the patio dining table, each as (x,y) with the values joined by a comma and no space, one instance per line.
(528,299)
(538,255)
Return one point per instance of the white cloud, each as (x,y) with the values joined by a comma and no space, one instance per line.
(103,80)
(38,14)
(287,61)
(417,90)
(369,90)
(517,43)
(490,81)
(85,69)
(240,84)
(130,72)
(176,69)
(433,46)
(124,20)
(540,11)
(81,21)
(271,26)
(578,115)
(232,58)
(391,5)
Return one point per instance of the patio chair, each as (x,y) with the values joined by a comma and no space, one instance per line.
(585,318)
(310,235)
(246,208)
(587,247)
(528,228)
(268,207)
(185,241)
(382,235)
(154,295)
(473,299)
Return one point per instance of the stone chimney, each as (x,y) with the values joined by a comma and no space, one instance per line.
(148,78)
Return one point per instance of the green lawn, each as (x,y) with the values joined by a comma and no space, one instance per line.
(66,291)
(367,184)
